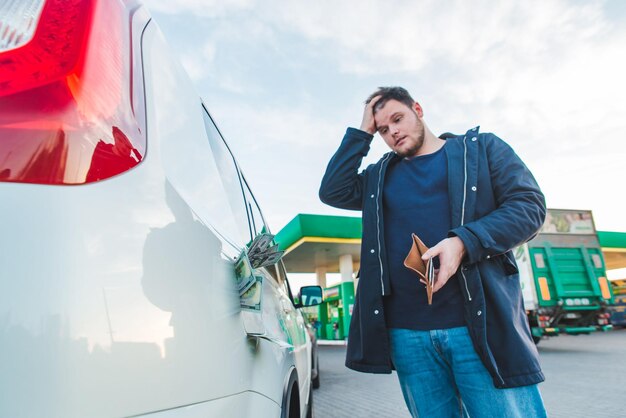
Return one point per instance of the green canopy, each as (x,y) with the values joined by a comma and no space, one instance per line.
(312,241)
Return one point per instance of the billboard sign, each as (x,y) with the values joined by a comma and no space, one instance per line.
(562,221)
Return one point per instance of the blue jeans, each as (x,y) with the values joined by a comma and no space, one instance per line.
(442,376)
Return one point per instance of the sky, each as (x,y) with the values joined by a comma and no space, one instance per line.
(284,79)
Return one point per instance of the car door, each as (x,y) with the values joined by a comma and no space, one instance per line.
(283,322)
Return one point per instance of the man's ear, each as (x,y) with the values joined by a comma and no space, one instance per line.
(418,109)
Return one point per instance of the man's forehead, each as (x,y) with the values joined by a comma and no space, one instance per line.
(390,108)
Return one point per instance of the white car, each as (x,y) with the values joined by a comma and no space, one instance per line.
(122,212)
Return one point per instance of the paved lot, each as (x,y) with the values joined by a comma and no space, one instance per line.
(585,377)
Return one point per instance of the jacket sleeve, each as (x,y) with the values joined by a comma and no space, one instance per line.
(342,185)
(521,207)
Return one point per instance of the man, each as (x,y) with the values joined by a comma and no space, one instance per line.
(471,200)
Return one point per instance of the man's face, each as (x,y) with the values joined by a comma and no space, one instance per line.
(401,127)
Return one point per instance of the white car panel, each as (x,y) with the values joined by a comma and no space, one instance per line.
(118,297)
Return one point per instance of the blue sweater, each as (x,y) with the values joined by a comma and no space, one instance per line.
(415,200)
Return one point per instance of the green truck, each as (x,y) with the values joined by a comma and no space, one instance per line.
(563,277)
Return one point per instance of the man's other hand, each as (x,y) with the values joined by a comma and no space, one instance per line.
(450,252)
(369,125)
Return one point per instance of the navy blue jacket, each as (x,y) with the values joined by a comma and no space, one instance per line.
(495,205)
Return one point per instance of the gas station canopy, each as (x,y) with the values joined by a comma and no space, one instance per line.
(318,241)
(613,248)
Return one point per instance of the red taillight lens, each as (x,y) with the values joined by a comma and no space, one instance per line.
(65,97)
(544,321)
(54,51)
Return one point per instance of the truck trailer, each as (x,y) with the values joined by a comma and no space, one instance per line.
(563,277)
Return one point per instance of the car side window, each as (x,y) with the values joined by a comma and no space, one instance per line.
(257,222)
(277,271)
(273,271)
(226,212)
(282,273)
(258,226)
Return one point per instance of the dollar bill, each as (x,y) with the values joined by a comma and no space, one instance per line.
(260,244)
(267,259)
(251,298)
(245,286)
(243,273)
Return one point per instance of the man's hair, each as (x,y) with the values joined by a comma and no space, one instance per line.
(390,93)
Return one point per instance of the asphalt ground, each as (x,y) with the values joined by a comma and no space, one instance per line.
(585,377)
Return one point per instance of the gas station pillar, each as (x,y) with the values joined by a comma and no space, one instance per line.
(345,268)
(347,291)
(320,273)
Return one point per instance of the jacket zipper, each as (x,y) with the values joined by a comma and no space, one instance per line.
(469,296)
(380,260)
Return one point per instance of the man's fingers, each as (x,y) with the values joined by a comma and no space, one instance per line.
(433,252)
(368,124)
(438,285)
(436,288)
(372,102)
(442,277)
(450,255)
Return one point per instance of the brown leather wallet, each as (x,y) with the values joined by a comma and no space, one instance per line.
(425,270)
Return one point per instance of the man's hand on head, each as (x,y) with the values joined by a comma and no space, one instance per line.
(369,125)
(450,252)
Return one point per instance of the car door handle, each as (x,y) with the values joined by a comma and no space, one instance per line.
(280,343)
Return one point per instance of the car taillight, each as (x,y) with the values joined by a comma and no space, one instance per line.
(66,114)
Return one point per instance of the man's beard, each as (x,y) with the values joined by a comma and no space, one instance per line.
(412,151)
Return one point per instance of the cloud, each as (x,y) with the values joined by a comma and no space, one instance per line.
(408,36)
(204,8)
(199,62)
(295,127)
(587,181)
